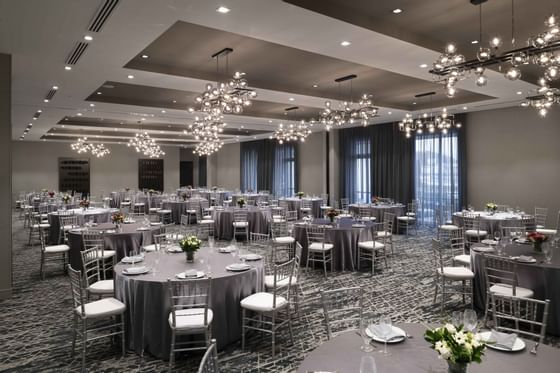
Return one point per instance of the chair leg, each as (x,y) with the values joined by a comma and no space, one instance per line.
(442,294)
(123,348)
(74,334)
(243,329)
(325,264)
(84,344)
(42,269)
(290,327)
(273,334)
(172,350)
(464,297)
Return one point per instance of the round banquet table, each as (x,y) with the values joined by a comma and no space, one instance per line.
(123,242)
(342,354)
(488,222)
(148,305)
(149,201)
(542,278)
(118,197)
(378,210)
(343,235)
(294,204)
(179,208)
(258,218)
(257,197)
(98,215)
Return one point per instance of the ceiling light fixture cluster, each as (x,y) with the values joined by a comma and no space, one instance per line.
(83,146)
(143,143)
(293,131)
(546,97)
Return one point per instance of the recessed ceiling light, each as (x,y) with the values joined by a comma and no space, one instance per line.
(144,56)
(414,103)
(269,121)
(474,42)
(465,108)
(130,76)
(345,43)
(390,113)
(55,87)
(98,93)
(315,86)
(143,119)
(92,105)
(291,99)
(46,100)
(39,111)
(174,101)
(88,37)
(423,66)
(34,118)
(79,114)
(63,126)
(30,124)
(163,111)
(223,9)
(519,92)
(397,11)
(68,68)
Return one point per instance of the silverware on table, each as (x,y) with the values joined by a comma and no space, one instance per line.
(534,349)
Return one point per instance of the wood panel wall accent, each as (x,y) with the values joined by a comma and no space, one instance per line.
(150,174)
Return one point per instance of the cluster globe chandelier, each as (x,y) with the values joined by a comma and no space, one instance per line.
(143,143)
(292,131)
(83,146)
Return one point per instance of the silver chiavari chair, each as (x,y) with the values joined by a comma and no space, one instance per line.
(373,250)
(95,286)
(240,223)
(52,254)
(473,230)
(318,250)
(342,309)
(209,362)
(541,214)
(409,220)
(66,221)
(96,240)
(458,248)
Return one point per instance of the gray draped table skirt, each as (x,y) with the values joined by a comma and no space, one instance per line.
(259,222)
(98,216)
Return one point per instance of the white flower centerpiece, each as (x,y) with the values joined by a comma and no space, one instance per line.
(189,245)
(457,346)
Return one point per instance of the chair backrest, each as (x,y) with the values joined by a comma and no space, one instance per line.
(240,215)
(457,242)
(306,203)
(528,221)
(204,204)
(502,208)
(205,231)
(283,273)
(325,199)
(160,239)
(189,294)
(261,240)
(342,307)
(375,228)
(500,270)
(389,217)
(291,216)
(185,220)
(510,232)
(471,221)
(412,207)
(524,316)
(93,239)
(209,362)
(440,259)
(193,205)
(77,288)
(67,220)
(283,204)
(344,203)
(541,214)
(364,211)
(90,265)
(315,233)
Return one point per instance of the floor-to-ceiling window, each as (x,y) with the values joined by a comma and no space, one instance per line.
(249,169)
(436,174)
(361,168)
(284,174)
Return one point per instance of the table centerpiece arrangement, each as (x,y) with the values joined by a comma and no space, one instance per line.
(331,214)
(241,202)
(491,208)
(65,199)
(456,345)
(51,193)
(190,245)
(300,195)
(537,239)
(84,204)
(375,200)
(184,196)
(117,218)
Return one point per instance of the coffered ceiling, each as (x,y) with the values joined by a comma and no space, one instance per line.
(148,60)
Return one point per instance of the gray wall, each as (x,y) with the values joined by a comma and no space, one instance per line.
(227,165)
(312,164)
(5,175)
(514,158)
(35,166)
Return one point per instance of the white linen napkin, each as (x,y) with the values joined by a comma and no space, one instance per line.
(191,273)
(504,340)
(377,331)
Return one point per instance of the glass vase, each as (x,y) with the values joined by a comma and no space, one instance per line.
(190,256)
(537,246)
(457,367)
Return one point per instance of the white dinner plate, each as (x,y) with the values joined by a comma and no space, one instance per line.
(183,276)
(523,241)
(238,267)
(489,242)
(524,260)
(156,223)
(110,231)
(129,221)
(483,249)
(136,270)
(174,249)
(251,257)
(518,345)
(397,335)
(226,250)
(132,259)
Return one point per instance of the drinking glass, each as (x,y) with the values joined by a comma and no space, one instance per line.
(366,346)
(385,329)
(367,365)
(547,250)
(457,318)
(156,262)
(211,242)
(470,320)
(497,235)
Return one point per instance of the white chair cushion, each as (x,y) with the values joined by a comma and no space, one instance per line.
(456,273)
(368,218)
(56,249)
(139,204)
(154,209)
(370,245)
(405,218)
(191,211)
(384,234)
(240,224)
(448,227)
(207,217)
(149,248)
(162,211)
(462,259)
(102,308)
(68,227)
(101,287)
(318,246)
(279,220)
(42,225)
(106,254)
(345,216)
(190,318)
(325,207)
(269,282)
(277,217)
(207,221)
(474,232)
(263,302)
(305,209)
(284,240)
(547,232)
(507,290)
(125,203)
(410,214)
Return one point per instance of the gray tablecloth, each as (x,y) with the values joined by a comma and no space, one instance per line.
(258,218)
(257,197)
(345,239)
(342,354)
(378,210)
(130,239)
(149,201)
(542,278)
(294,204)
(118,197)
(490,223)
(148,306)
(98,215)
(179,208)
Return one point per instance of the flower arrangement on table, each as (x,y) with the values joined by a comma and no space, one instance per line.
(300,194)
(491,207)
(456,345)
(84,203)
(331,214)
(537,239)
(375,200)
(184,196)
(44,190)
(127,189)
(189,245)
(214,188)
(189,187)
(66,198)
(117,218)
(151,191)
(51,193)
(241,202)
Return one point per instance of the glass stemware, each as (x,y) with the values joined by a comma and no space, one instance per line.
(457,318)
(470,320)
(366,346)
(548,252)
(497,235)
(385,329)
(367,365)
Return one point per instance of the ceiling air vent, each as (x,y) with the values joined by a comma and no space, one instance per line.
(76,53)
(102,15)
(50,94)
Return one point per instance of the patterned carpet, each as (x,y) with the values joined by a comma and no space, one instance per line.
(35,325)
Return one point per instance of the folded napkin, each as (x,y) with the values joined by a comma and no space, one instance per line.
(503,340)
(525,258)
(226,249)
(191,273)
(377,330)
(133,270)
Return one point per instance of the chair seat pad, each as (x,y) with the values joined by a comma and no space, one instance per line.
(547,232)
(125,203)
(277,217)
(102,308)
(56,249)
(284,240)
(539,226)
(344,216)
(279,220)
(370,245)
(326,207)
(406,218)
(474,232)
(191,318)
(240,224)
(101,287)
(456,273)
(269,282)
(139,204)
(68,227)
(162,211)
(507,290)
(305,209)
(448,227)
(191,211)
(207,217)
(42,225)
(263,302)
(463,259)
(410,214)
(368,218)
(318,246)
(106,254)
(207,221)
(150,248)
(384,234)
(154,209)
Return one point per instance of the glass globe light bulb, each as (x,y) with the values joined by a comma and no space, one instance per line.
(450,48)
(483,54)
(496,42)
(513,73)
(551,73)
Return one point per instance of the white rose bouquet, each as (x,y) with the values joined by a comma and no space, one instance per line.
(455,344)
